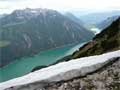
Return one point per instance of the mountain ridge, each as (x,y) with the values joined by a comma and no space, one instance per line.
(27,37)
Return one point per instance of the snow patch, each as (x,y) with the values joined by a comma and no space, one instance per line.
(63,71)
(27,39)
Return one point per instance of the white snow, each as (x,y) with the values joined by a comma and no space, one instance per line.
(28,40)
(63,71)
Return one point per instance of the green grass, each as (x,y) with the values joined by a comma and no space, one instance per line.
(99,47)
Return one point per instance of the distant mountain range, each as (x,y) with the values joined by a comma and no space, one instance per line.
(89,27)
(30,31)
(74,18)
(104,24)
(98,17)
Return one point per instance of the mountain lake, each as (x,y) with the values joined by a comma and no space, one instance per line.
(25,65)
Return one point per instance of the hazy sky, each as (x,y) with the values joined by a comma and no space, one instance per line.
(6,6)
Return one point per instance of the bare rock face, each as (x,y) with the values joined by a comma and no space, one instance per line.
(108,78)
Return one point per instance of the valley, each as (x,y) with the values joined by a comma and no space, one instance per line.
(31,31)
(46,49)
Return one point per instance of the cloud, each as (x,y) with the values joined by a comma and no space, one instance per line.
(11,0)
(10,5)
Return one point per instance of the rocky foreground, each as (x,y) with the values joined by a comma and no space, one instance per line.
(108,78)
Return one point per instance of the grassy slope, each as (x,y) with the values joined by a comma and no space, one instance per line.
(108,40)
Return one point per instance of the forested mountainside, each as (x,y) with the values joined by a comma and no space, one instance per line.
(29,31)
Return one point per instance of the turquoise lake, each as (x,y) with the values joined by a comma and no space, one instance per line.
(25,65)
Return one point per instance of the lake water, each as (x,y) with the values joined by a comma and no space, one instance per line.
(95,30)
(25,65)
